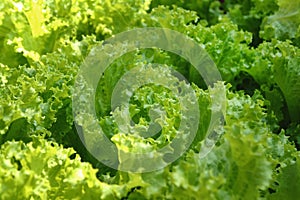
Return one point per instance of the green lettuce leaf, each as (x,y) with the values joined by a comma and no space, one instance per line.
(283,24)
(45,170)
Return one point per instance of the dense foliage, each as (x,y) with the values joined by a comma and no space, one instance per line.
(256,47)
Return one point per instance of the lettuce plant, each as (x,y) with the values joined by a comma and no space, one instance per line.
(255,47)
